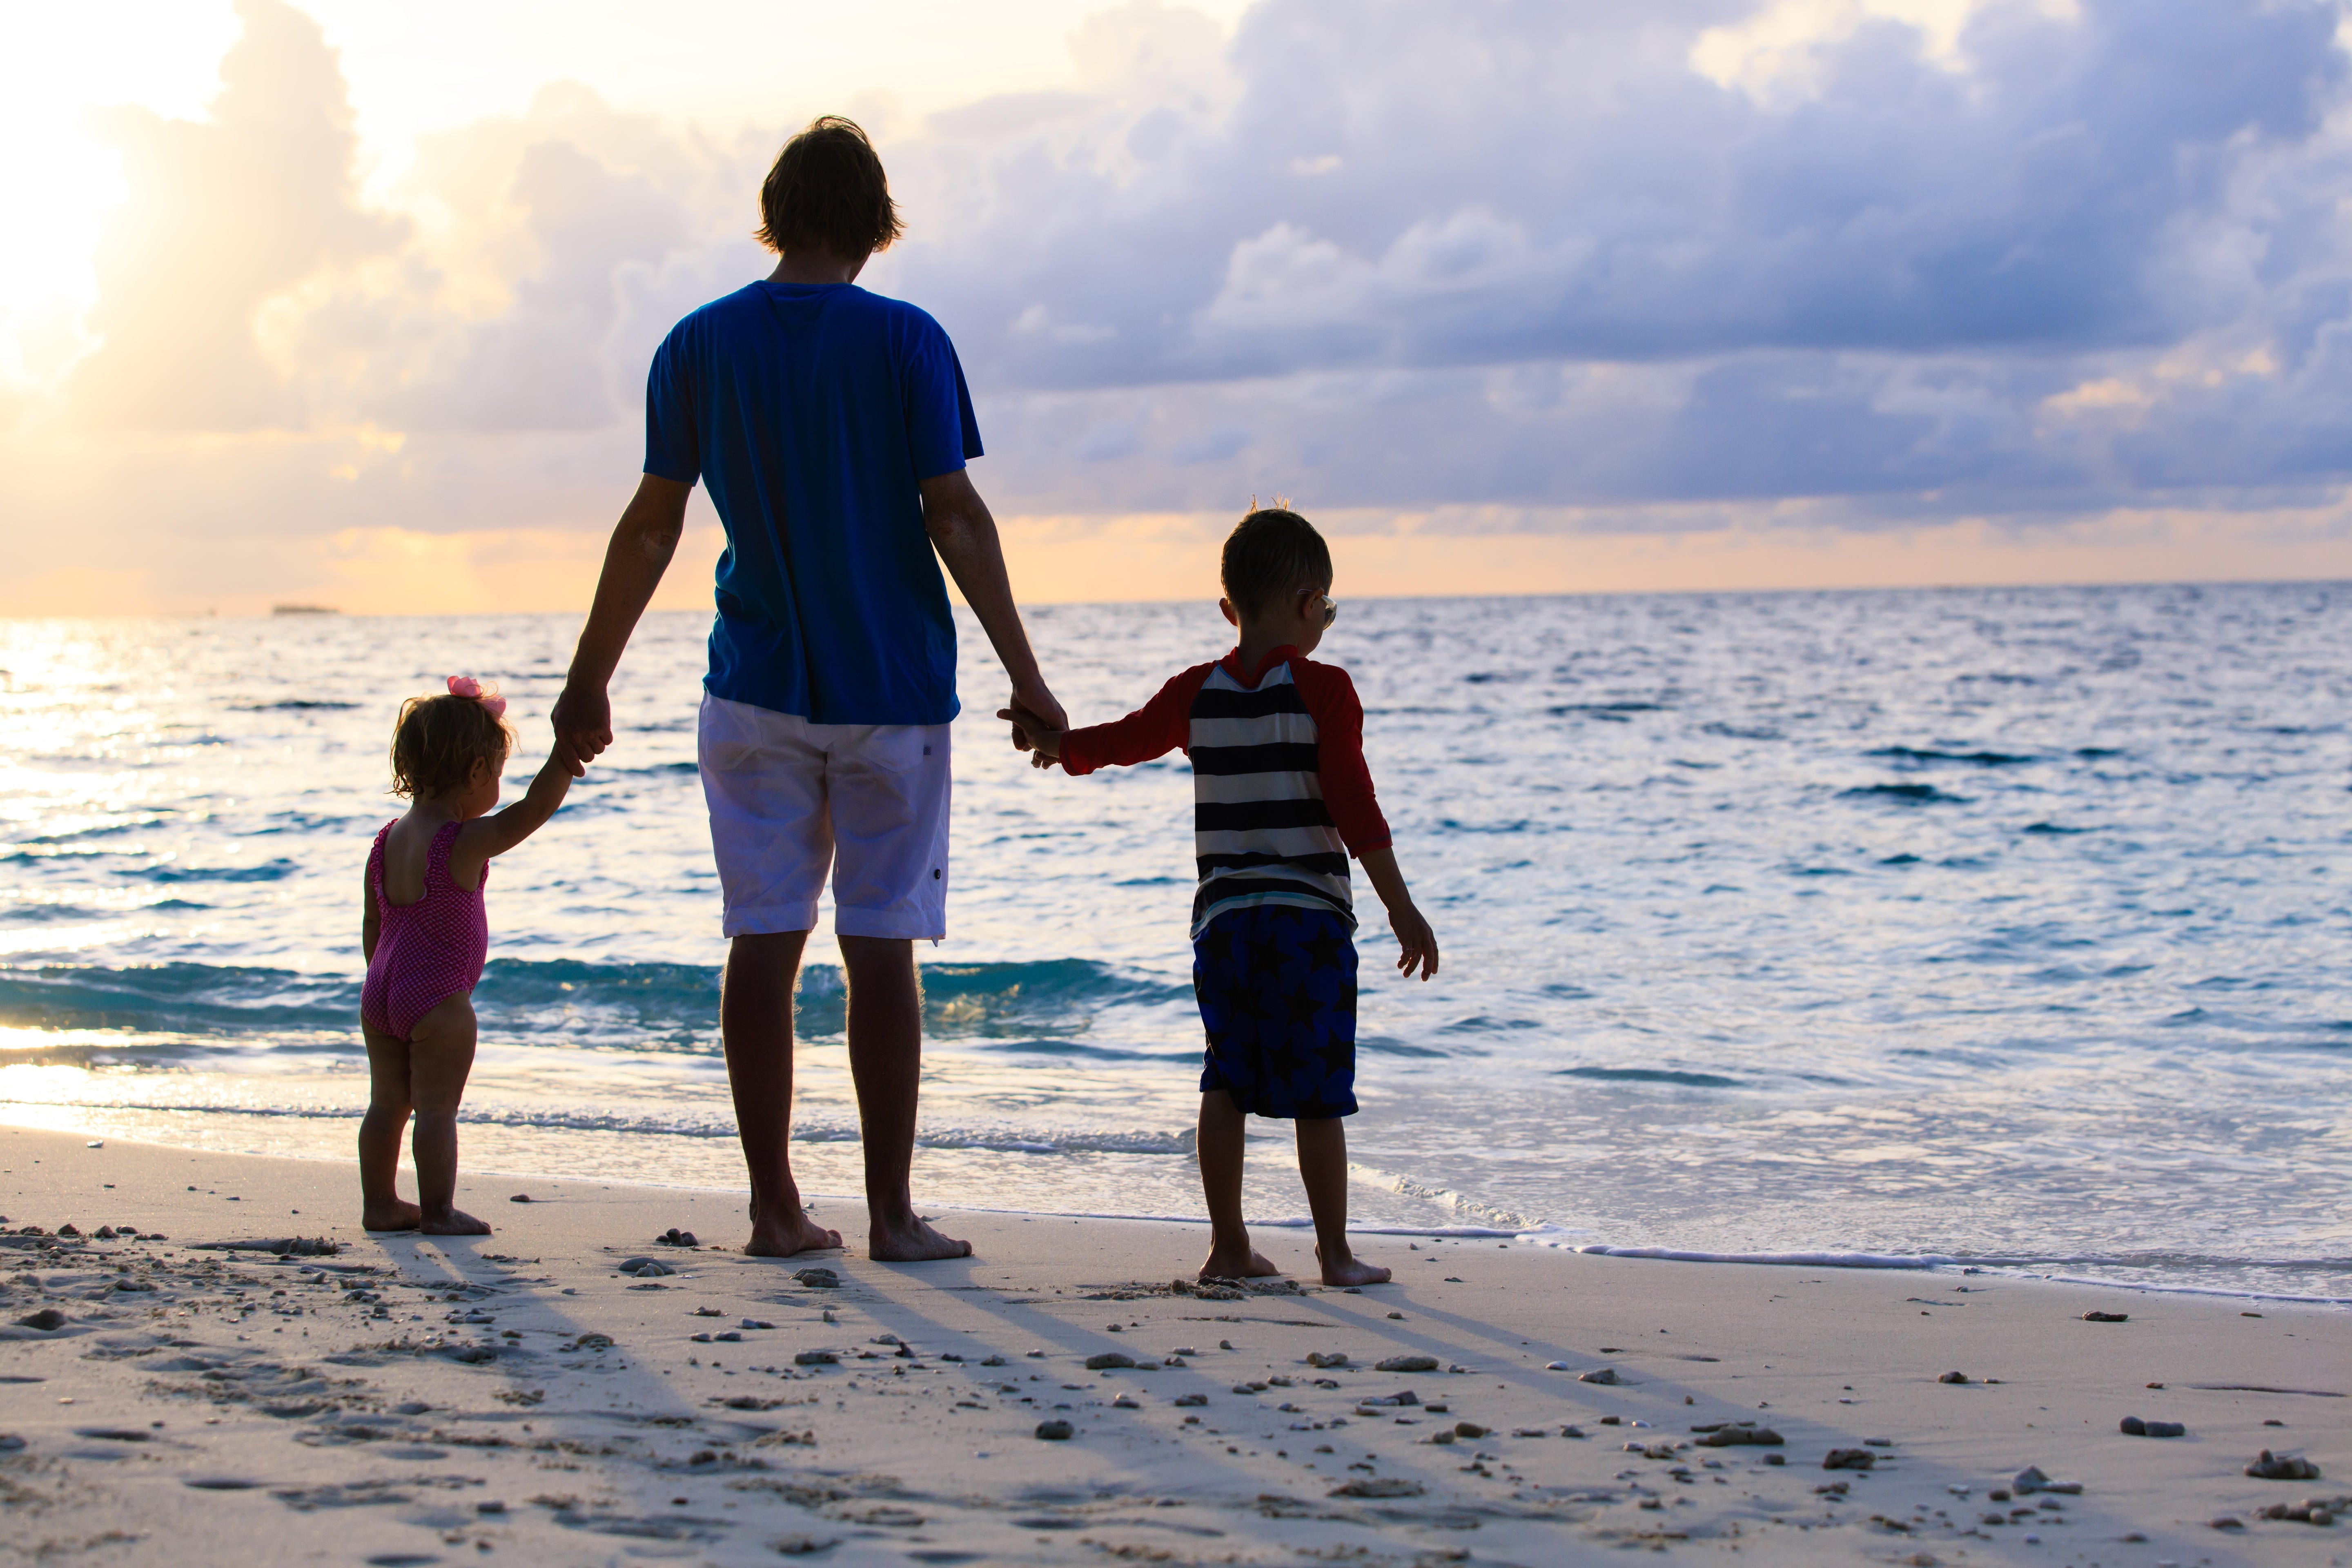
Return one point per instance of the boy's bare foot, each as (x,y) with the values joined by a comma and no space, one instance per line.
(456,1222)
(913,1242)
(788,1235)
(395,1214)
(1354,1271)
(1237,1266)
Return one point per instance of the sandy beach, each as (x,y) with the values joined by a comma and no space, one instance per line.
(406,1400)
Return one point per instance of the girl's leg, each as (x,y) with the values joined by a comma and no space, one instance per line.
(1323,1166)
(381,1207)
(1218,1147)
(440,1056)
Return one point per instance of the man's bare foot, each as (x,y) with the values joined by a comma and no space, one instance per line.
(788,1235)
(454,1222)
(913,1241)
(1351,1270)
(1237,1266)
(395,1214)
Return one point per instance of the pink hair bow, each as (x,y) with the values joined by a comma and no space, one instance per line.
(468,687)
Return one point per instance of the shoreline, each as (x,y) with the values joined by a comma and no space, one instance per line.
(519,1393)
(1546,1235)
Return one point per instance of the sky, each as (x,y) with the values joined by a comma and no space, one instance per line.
(351,304)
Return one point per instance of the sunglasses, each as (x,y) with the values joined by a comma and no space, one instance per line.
(1330,607)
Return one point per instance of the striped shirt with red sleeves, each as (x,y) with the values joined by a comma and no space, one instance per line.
(1281,797)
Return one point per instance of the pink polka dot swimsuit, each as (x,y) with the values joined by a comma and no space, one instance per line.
(427,951)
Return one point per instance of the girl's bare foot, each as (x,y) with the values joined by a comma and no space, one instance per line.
(913,1241)
(1351,1270)
(1237,1266)
(393,1213)
(789,1234)
(454,1222)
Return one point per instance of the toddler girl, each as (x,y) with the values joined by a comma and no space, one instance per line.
(425,933)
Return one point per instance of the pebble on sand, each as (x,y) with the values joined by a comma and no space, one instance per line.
(520,1198)
(2268,1467)
(1603,1374)
(818,1278)
(1326,1358)
(47,1319)
(2133,1426)
(816,1358)
(2031,1480)
(1953,1377)
(1109,1361)
(1849,1459)
(2106,1317)
(674,1236)
(1407,1363)
(1055,1431)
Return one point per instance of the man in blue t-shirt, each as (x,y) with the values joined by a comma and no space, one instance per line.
(830,427)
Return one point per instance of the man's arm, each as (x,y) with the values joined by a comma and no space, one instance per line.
(642,542)
(965,536)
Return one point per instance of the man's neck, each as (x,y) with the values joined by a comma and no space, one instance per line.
(815,267)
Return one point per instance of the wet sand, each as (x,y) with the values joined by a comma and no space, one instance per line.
(410,1400)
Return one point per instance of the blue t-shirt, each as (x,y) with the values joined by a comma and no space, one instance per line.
(812,412)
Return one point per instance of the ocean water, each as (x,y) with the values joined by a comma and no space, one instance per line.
(2001,925)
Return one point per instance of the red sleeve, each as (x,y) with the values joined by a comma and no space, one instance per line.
(1154,730)
(1340,733)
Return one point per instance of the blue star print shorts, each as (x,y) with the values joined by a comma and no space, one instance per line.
(1277,992)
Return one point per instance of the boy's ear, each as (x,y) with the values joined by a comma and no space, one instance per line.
(1225,608)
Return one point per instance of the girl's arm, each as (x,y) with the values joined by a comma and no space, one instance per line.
(501,831)
(371,920)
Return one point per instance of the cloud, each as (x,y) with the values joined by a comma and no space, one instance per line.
(1622,264)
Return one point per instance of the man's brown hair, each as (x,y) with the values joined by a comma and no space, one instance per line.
(438,740)
(828,192)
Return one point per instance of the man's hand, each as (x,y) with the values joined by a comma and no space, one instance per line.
(1039,709)
(1035,733)
(582,719)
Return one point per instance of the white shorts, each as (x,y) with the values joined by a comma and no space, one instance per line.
(789,799)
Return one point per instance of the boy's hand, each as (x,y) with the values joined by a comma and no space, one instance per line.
(1417,944)
(1034,733)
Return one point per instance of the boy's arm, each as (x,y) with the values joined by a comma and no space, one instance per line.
(1416,943)
(1356,811)
(371,918)
(1154,730)
(1340,757)
(501,831)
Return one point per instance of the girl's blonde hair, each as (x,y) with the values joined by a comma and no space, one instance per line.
(437,740)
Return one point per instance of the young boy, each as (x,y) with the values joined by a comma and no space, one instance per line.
(1281,798)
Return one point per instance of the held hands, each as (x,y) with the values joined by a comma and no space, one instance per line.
(1038,724)
(582,721)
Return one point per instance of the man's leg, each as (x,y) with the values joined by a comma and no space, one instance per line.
(755,1022)
(886,1061)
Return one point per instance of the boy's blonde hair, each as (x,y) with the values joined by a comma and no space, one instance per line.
(437,740)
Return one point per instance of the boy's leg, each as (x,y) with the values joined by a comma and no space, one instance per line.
(440,1059)
(886,1063)
(1218,1146)
(755,1026)
(380,1206)
(1323,1166)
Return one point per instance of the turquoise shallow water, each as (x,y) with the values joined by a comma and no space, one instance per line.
(2010,924)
